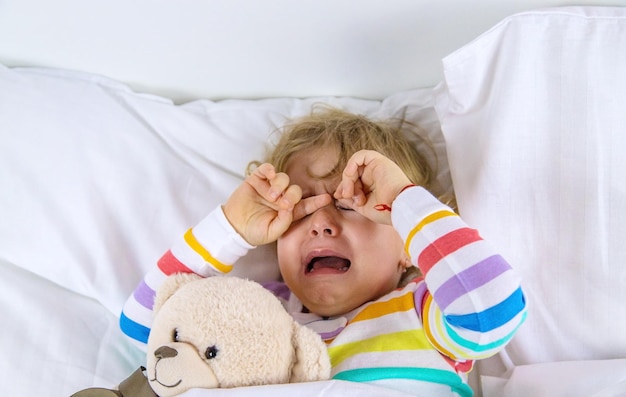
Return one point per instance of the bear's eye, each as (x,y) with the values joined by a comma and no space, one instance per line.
(175,336)
(211,352)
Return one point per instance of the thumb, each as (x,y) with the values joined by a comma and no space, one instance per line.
(280,223)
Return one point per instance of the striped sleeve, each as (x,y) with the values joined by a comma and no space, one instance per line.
(474,303)
(208,249)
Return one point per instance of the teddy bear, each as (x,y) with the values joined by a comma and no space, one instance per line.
(221,332)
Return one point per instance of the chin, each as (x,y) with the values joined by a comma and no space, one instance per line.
(329,309)
(326,299)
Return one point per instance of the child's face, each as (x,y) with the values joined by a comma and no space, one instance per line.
(335,259)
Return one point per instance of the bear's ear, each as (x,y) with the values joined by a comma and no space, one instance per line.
(311,357)
(172,284)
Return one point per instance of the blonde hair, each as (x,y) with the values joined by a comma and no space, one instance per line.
(325,126)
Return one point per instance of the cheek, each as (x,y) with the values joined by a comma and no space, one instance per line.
(293,235)
(388,245)
(384,235)
(287,247)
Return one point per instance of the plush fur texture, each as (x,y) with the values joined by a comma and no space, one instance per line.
(227,332)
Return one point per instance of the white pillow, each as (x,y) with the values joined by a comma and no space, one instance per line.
(98,180)
(533,113)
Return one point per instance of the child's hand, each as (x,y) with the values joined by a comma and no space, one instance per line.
(263,207)
(369,184)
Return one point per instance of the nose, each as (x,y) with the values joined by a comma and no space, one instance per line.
(165,352)
(324,222)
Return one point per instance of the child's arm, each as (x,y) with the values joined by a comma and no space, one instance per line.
(475,303)
(208,249)
(256,213)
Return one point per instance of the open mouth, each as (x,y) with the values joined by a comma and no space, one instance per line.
(328,264)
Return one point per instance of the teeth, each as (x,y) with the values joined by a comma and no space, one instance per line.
(343,269)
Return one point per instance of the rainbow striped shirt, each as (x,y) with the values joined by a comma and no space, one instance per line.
(467,306)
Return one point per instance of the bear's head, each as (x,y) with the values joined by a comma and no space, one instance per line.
(227,332)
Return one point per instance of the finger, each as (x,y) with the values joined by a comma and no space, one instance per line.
(265,171)
(358,193)
(281,222)
(346,187)
(269,184)
(360,159)
(352,190)
(260,179)
(340,190)
(311,204)
(351,184)
(290,197)
(278,185)
(349,177)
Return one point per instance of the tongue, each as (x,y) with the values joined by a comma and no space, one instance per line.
(331,263)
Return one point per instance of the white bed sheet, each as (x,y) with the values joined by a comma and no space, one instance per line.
(324,388)
(56,340)
(584,378)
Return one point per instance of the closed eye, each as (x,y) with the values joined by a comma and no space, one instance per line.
(342,207)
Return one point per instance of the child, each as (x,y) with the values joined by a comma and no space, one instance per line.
(345,199)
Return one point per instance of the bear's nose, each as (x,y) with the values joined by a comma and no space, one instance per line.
(165,352)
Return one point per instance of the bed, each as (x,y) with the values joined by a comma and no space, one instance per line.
(123,123)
